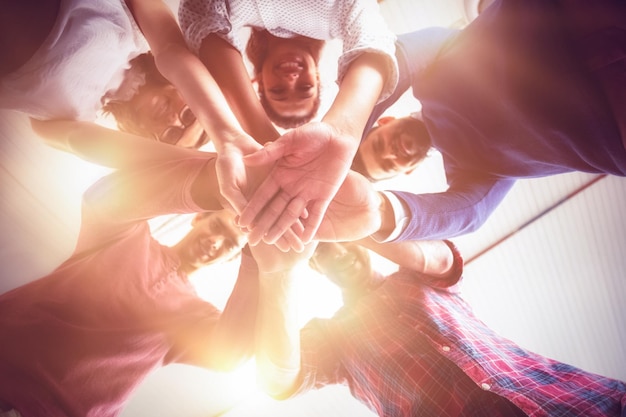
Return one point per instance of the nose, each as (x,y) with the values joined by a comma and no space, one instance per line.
(291,77)
(213,245)
(388,152)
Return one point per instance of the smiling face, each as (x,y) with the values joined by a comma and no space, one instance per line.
(394,147)
(214,237)
(346,264)
(290,80)
(286,70)
(159,112)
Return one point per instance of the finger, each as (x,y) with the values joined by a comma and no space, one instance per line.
(316,214)
(291,238)
(266,219)
(271,152)
(234,199)
(262,196)
(283,245)
(290,241)
(290,215)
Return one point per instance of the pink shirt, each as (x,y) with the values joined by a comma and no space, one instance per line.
(77,342)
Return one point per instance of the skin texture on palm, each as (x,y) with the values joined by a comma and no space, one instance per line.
(311,162)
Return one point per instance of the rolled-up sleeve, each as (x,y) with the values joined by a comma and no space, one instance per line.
(200,18)
(364,30)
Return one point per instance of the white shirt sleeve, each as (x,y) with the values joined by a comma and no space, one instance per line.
(400,214)
(363,29)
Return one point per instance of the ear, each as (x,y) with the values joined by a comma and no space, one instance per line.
(385,119)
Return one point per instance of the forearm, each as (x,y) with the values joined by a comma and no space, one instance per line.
(201,93)
(225,64)
(174,186)
(186,72)
(103,146)
(432,257)
(358,93)
(233,339)
(278,334)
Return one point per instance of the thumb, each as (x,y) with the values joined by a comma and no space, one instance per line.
(233,198)
(271,152)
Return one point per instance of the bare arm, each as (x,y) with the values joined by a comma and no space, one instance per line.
(183,69)
(432,257)
(358,93)
(278,332)
(201,93)
(226,65)
(104,146)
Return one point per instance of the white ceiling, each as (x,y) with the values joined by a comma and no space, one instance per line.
(547,270)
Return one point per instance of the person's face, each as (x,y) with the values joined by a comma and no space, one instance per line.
(387,151)
(289,78)
(214,237)
(163,115)
(346,264)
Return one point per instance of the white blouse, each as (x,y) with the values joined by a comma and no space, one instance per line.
(358,23)
(82,59)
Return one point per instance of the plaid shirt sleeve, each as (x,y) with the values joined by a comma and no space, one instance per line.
(407,349)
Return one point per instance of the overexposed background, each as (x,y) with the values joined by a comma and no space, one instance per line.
(547,270)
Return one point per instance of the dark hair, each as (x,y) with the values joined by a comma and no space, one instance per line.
(256,51)
(122,110)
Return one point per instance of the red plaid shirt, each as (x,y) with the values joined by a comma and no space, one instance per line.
(407,349)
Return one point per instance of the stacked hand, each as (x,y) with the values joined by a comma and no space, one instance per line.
(237,181)
(234,178)
(310,164)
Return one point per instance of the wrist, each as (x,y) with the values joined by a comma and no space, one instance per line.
(229,139)
(387,218)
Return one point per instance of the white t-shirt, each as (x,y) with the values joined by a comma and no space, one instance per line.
(82,59)
(358,23)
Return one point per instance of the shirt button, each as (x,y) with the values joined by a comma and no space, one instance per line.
(445,348)
(485,386)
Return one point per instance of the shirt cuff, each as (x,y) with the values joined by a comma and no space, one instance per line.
(400,214)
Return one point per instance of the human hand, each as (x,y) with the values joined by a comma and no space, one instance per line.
(233,177)
(270,259)
(354,213)
(311,162)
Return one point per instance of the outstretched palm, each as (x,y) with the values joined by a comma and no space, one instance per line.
(311,162)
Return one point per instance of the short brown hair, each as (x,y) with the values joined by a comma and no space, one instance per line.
(122,110)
